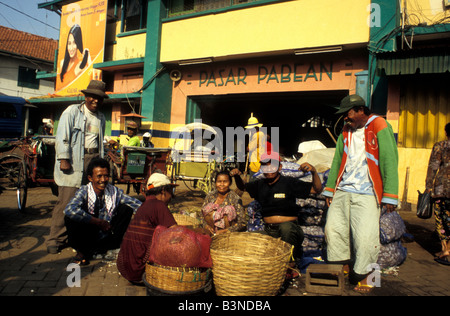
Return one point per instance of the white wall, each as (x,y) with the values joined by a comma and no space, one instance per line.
(9,72)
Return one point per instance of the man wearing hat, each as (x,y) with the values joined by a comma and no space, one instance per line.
(134,251)
(79,139)
(277,195)
(132,139)
(363,179)
(256,145)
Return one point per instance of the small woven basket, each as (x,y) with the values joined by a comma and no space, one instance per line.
(186,220)
(249,264)
(176,279)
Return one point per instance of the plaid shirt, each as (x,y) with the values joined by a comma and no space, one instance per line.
(438,174)
(77,208)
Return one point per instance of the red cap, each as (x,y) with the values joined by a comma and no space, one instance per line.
(267,157)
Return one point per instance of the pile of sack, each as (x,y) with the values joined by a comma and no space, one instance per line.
(392,228)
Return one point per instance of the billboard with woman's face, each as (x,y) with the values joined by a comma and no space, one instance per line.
(81,45)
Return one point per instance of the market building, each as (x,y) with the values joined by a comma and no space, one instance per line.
(169,63)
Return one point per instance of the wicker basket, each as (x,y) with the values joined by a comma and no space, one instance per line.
(186,220)
(249,264)
(176,280)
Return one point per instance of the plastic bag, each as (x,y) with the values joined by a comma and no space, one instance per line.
(424,205)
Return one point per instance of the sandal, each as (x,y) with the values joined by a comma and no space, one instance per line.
(441,254)
(80,260)
(346,271)
(443,260)
(363,288)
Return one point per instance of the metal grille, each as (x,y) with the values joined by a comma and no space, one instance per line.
(424,111)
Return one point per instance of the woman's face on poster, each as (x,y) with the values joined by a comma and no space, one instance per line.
(71,46)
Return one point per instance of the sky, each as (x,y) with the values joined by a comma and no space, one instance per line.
(24,15)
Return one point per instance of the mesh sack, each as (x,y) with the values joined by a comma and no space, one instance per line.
(314,238)
(255,220)
(179,246)
(391,255)
(392,227)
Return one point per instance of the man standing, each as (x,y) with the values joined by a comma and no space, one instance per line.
(256,145)
(79,139)
(98,215)
(362,179)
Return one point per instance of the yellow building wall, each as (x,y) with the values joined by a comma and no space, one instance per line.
(416,159)
(415,140)
(275,27)
(124,47)
(429,11)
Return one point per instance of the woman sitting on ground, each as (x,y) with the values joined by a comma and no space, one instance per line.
(222,209)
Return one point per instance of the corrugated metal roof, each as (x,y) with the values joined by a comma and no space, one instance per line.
(425,61)
(26,44)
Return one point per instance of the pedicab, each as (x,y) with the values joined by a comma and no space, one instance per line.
(133,165)
(197,156)
(27,162)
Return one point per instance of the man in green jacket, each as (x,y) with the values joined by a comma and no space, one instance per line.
(133,139)
(363,178)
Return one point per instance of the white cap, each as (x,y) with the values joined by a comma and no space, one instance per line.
(47,122)
(158,180)
(147,134)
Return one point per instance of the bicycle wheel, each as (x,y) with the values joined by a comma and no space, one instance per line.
(13,171)
(22,188)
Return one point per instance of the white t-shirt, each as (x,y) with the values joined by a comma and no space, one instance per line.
(356,174)
(92,129)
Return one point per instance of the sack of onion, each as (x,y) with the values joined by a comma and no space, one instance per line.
(179,246)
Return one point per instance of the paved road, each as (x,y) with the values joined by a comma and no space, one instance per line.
(26,269)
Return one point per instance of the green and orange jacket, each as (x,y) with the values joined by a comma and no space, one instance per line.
(382,160)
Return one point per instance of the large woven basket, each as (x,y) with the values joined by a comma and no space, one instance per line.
(176,280)
(249,264)
(186,220)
